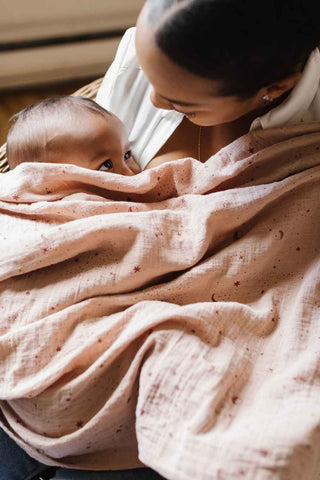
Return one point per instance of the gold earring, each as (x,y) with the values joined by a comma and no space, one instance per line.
(267,98)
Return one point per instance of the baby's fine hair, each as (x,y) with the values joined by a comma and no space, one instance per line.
(27,137)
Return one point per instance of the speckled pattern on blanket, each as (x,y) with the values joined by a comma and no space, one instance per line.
(169,319)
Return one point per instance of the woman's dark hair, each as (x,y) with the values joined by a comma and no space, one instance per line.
(242,44)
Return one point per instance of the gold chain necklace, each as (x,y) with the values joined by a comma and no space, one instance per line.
(199,144)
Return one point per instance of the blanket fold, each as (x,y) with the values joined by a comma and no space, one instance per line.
(169,319)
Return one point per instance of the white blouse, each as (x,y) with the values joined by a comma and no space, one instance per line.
(125,91)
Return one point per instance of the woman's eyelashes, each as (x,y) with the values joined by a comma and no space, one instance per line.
(190,115)
(187,114)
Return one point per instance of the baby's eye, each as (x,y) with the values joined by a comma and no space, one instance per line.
(127,155)
(107,165)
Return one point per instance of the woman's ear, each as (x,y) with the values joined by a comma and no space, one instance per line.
(277,89)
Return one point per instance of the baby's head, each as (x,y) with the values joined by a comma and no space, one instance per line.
(71,130)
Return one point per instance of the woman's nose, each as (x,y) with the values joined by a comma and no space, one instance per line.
(160,102)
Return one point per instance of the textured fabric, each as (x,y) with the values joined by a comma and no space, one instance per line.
(169,319)
(125,91)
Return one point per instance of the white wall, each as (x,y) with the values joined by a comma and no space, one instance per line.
(25,20)
(34,19)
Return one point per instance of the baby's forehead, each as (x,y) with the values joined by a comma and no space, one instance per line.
(84,113)
(85,128)
(82,120)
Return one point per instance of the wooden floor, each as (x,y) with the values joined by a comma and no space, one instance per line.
(12,101)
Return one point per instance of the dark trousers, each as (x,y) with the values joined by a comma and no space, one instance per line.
(16,464)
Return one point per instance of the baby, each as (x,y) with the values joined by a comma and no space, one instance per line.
(71,130)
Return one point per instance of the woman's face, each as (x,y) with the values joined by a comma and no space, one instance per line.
(175,88)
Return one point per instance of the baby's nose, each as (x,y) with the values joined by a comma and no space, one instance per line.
(126,171)
(132,165)
(135,168)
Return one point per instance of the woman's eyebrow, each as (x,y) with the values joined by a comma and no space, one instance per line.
(178,102)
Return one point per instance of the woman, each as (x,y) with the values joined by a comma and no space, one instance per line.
(210,88)
(213,71)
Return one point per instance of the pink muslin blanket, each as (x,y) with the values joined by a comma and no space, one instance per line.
(169,319)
